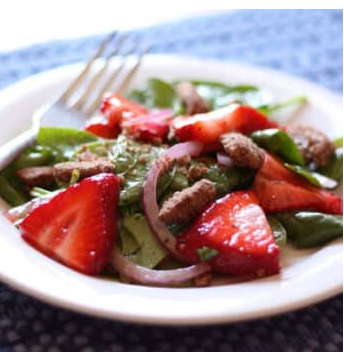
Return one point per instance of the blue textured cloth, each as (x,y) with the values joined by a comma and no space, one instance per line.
(308,43)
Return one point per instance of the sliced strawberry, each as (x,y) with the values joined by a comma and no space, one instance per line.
(78,226)
(280,189)
(208,127)
(151,127)
(236,227)
(99,126)
(117,108)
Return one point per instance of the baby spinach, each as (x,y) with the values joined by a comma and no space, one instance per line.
(228,179)
(312,177)
(138,243)
(338,142)
(132,161)
(310,229)
(278,231)
(11,188)
(292,103)
(11,193)
(62,142)
(219,94)
(280,143)
(335,168)
(158,94)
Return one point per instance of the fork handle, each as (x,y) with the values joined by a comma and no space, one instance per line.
(10,150)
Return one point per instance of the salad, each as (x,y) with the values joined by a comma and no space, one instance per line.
(178,182)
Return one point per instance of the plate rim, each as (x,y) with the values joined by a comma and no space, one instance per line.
(9,93)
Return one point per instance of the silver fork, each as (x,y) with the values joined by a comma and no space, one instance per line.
(63,113)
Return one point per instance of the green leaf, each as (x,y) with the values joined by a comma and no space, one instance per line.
(338,142)
(158,94)
(179,182)
(9,192)
(283,111)
(278,231)
(206,253)
(138,243)
(294,102)
(280,143)
(312,177)
(309,229)
(12,189)
(335,168)
(133,160)
(37,155)
(219,94)
(63,141)
(225,179)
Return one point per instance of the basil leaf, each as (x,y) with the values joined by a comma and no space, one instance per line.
(278,231)
(206,253)
(158,94)
(335,168)
(309,229)
(312,177)
(280,143)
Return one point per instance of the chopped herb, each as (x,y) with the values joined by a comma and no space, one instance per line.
(75,177)
(207,253)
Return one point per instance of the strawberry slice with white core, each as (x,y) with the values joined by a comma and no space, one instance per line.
(77,227)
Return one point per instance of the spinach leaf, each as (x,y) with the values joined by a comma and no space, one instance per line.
(11,188)
(310,229)
(219,95)
(228,179)
(292,103)
(278,231)
(335,168)
(133,160)
(158,94)
(138,243)
(280,143)
(179,181)
(63,141)
(312,177)
(12,194)
(338,142)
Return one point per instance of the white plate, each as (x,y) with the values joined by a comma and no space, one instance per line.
(307,276)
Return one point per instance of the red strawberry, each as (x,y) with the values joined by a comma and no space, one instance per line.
(208,127)
(78,226)
(236,227)
(117,108)
(280,189)
(99,126)
(151,127)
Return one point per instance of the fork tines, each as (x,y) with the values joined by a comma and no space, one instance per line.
(99,76)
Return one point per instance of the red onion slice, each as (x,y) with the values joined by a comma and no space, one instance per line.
(142,275)
(224,159)
(149,196)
